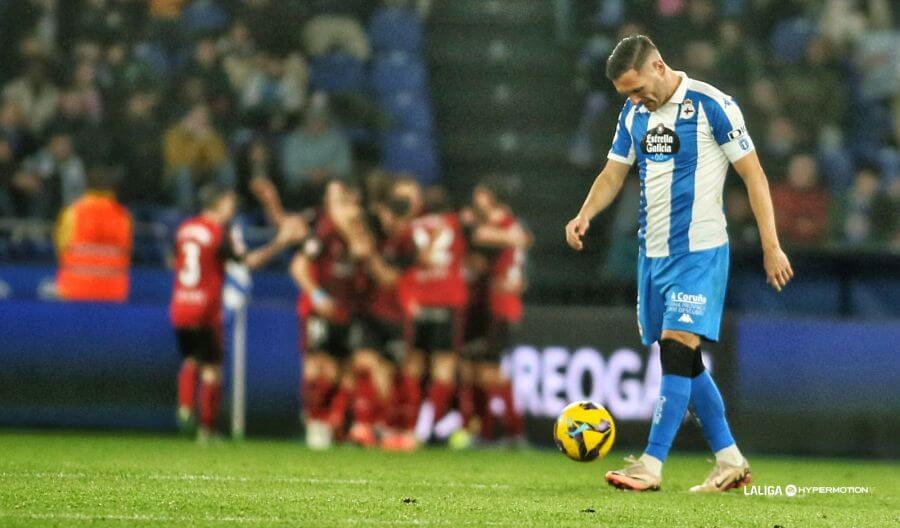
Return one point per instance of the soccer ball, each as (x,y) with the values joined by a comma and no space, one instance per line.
(584,431)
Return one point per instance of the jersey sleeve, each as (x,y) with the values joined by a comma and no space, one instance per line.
(728,128)
(233,246)
(622,149)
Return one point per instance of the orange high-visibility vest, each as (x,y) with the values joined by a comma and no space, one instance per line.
(95,250)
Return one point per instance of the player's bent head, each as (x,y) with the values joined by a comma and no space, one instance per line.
(638,71)
(631,53)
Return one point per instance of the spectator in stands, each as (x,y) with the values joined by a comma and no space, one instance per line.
(206,66)
(14,130)
(327,33)
(34,94)
(73,118)
(194,152)
(93,241)
(276,85)
(52,178)
(801,205)
(855,208)
(7,172)
(238,51)
(136,147)
(312,154)
(809,90)
(780,142)
(742,230)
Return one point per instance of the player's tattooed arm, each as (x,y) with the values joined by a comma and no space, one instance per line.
(603,191)
(493,236)
(777,266)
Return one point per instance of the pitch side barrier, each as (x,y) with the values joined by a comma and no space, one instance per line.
(790,385)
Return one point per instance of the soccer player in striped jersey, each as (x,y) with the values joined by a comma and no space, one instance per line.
(683,134)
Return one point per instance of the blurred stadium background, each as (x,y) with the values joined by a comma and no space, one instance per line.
(448,92)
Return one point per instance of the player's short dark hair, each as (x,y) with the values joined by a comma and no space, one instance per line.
(502,189)
(103,178)
(211,193)
(630,53)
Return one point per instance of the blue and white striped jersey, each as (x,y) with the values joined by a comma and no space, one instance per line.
(683,150)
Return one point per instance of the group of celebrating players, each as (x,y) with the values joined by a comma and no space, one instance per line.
(405,304)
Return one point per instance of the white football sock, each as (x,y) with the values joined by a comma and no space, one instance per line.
(653,464)
(730,455)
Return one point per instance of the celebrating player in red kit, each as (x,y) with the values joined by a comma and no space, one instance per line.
(329,272)
(496,265)
(203,244)
(433,293)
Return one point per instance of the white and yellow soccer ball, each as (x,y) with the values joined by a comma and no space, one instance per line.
(584,431)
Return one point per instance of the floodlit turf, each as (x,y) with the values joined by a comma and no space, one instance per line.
(72,479)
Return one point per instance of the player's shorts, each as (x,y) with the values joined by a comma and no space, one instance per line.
(683,292)
(486,336)
(203,343)
(435,330)
(490,346)
(377,334)
(321,335)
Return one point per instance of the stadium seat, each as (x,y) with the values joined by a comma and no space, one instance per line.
(789,38)
(395,29)
(837,166)
(203,17)
(337,72)
(398,72)
(408,111)
(411,152)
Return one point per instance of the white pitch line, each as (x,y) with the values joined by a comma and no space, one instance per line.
(233,478)
(230,519)
(62,516)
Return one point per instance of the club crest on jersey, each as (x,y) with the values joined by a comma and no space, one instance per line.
(687,109)
(660,143)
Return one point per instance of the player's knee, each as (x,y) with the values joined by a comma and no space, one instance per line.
(489,375)
(676,358)
(443,368)
(210,373)
(414,364)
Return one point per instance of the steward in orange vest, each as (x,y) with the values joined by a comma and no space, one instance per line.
(93,240)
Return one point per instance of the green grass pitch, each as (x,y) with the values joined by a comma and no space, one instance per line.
(87,479)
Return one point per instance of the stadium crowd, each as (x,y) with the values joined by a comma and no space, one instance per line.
(818,82)
(178,93)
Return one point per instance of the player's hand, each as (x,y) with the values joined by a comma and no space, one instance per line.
(292,230)
(778,268)
(323,304)
(575,230)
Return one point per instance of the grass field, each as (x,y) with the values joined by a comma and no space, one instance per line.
(77,479)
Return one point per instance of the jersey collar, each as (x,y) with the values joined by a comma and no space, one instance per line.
(678,96)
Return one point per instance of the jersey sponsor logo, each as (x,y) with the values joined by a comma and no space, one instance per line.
(687,109)
(745,145)
(685,318)
(736,133)
(660,143)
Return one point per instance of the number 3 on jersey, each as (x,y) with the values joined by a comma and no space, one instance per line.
(189,275)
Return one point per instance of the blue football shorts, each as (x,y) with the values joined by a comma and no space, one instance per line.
(682,292)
